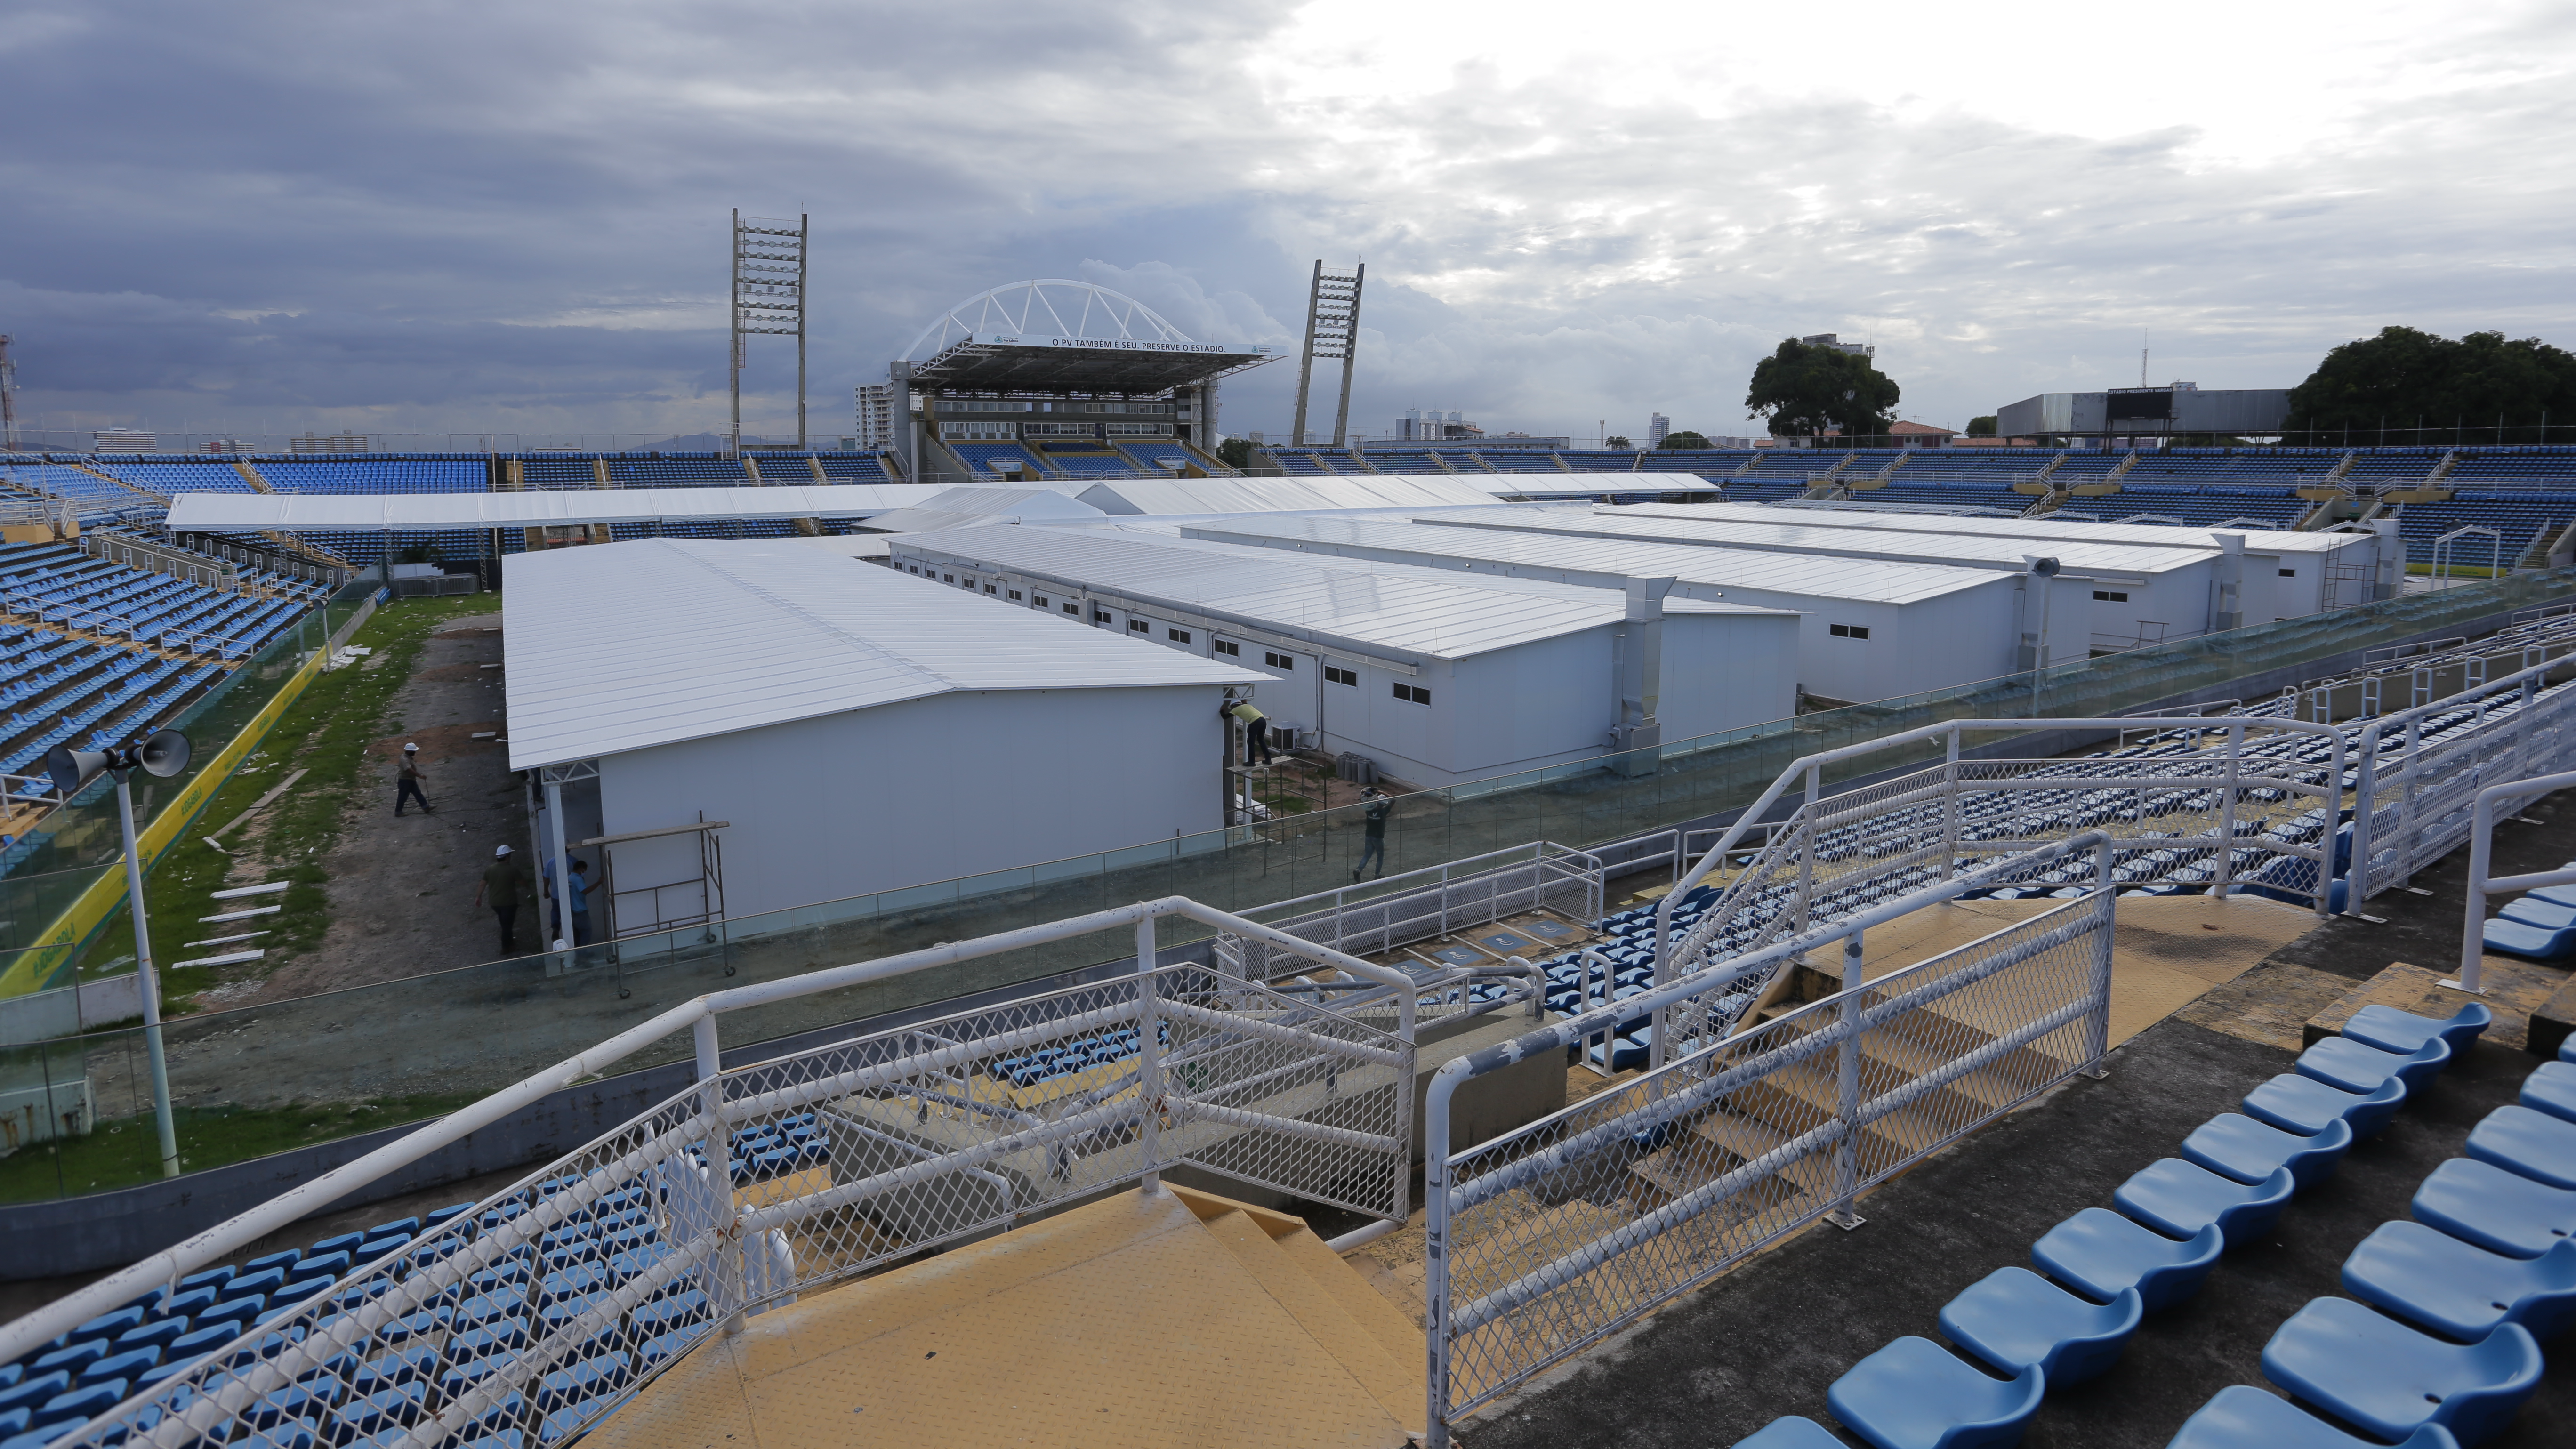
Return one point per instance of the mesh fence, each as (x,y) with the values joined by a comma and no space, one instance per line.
(1381,917)
(1563,1232)
(2416,799)
(538,1311)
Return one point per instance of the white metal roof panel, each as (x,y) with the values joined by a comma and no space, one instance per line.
(624,646)
(1860,580)
(1280,495)
(1381,608)
(972,507)
(2046,526)
(1792,533)
(301,512)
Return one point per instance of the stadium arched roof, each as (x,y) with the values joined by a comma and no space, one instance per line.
(1053,335)
(1050,306)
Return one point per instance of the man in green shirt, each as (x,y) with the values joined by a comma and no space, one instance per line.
(501,884)
(1256,729)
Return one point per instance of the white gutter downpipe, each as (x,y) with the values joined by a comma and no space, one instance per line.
(1641,673)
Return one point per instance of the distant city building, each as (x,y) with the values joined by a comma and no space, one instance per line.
(327,443)
(124,440)
(876,417)
(1657,428)
(224,447)
(1834,341)
(1921,435)
(1419,426)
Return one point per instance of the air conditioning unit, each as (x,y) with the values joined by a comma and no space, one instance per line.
(1314,739)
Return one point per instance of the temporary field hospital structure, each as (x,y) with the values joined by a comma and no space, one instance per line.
(972,507)
(1181,496)
(2140,595)
(1869,630)
(852,729)
(1437,678)
(2288,573)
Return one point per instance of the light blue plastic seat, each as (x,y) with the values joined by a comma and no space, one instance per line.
(2013,1318)
(2339,1061)
(2391,1030)
(1790,1431)
(2547,915)
(2533,943)
(2101,1253)
(2234,1145)
(2551,1088)
(2243,1417)
(2305,1105)
(2460,1290)
(2534,1144)
(2178,1199)
(2385,1378)
(2503,1212)
(1915,1394)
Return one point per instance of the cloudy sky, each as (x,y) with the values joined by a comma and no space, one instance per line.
(454,216)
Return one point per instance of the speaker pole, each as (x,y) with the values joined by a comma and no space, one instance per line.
(150,980)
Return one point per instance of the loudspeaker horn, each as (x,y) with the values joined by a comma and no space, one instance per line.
(71,768)
(164,755)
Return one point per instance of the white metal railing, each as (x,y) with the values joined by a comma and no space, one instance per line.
(2249,814)
(2472,977)
(1550,1238)
(539,1308)
(101,621)
(2421,768)
(1383,916)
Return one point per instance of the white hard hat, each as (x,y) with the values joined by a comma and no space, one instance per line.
(411,749)
(499,851)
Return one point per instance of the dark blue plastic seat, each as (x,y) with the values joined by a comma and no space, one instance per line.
(2391,1030)
(2178,1199)
(2339,1061)
(2532,943)
(73,1359)
(34,1389)
(1791,1432)
(2534,1144)
(1915,1394)
(2460,1290)
(2242,1417)
(2100,1253)
(2385,1378)
(2306,1106)
(2013,1318)
(80,1405)
(109,1325)
(2551,1088)
(123,1366)
(287,1259)
(2234,1145)
(2503,1212)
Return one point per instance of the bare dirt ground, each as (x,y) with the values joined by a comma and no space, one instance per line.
(402,888)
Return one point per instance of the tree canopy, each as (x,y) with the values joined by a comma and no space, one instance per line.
(2404,378)
(1982,426)
(1235,452)
(1684,440)
(1616,440)
(1804,390)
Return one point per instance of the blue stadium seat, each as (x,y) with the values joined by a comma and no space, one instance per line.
(120,1367)
(1915,1394)
(2498,1210)
(2513,938)
(2234,1145)
(2342,1062)
(2179,1199)
(2534,1144)
(2551,1088)
(2304,1105)
(2103,1254)
(2241,1417)
(2013,1318)
(2391,1030)
(2460,1290)
(2387,1379)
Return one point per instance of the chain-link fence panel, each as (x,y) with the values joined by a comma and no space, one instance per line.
(1561,1233)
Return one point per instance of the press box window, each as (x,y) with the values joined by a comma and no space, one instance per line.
(2109,596)
(1350,677)
(1850,631)
(1279,661)
(1178,636)
(1136,626)
(1226,646)
(1412,693)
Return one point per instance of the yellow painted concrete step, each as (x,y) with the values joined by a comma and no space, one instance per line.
(1322,1316)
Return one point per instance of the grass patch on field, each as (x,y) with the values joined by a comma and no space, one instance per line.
(127,1152)
(325,732)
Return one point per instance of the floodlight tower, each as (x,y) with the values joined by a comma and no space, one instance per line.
(768,298)
(1332,332)
(8,399)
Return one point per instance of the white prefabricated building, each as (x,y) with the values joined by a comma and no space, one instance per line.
(1867,629)
(856,729)
(2288,573)
(1434,677)
(1129,497)
(2139,595)
(969,506)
